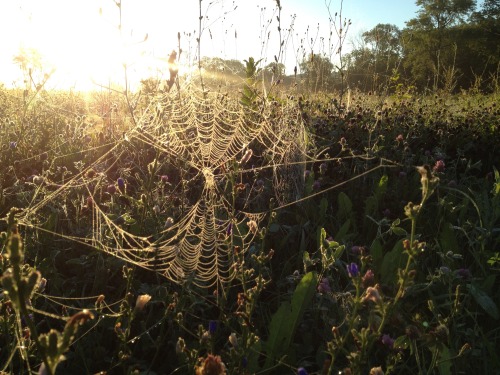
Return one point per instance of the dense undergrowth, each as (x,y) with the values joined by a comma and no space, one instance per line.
(352,277)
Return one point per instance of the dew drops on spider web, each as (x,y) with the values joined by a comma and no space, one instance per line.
(202,141)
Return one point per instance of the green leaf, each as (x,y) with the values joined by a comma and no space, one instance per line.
(274,228)
(253,357)
(444,364)
(342,233)
(377,253)
(402,343)
(345,206)
(393,260)
(286,320)
(51,222)
(323,206)
(382,186)
(447,239)
(483,300)
(398,231)
(372,203)
(306,259)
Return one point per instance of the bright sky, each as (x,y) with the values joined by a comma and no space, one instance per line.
(81,40)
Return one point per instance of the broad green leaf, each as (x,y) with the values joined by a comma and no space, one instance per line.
(323,206)
(377,253)
(286,320)
(398,231)
(447,239)
(393,260)
(345,206)
(344,229)
(444,363)
(483,300)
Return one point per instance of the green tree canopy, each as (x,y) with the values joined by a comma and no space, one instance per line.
(431,50)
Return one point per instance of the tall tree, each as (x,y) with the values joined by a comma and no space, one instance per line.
(441,14)
(432,52)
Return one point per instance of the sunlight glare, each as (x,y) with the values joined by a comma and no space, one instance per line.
(83,42)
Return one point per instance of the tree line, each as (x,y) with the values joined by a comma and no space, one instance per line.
(449,45)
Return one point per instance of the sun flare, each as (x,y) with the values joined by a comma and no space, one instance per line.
(87,44)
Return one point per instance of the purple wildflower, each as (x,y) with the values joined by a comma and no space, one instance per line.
(464,273)
(324,286)
(387,341)
(212,326)
(302,371)
(353,270)
(358,250)
(121,183)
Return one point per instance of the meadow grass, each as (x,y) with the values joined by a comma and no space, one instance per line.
(384,260)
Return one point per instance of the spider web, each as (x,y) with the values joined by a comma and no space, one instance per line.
(204,136)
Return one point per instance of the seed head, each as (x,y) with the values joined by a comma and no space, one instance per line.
(372,294)
(246,157)
(141,302)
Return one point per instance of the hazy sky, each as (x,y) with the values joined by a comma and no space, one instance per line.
(80,39)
